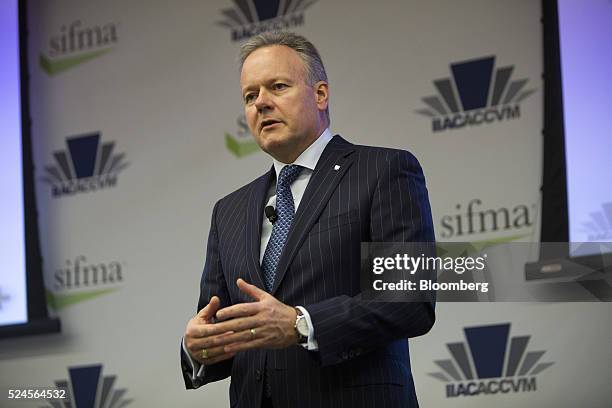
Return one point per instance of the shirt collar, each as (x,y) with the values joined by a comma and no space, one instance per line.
(311,155)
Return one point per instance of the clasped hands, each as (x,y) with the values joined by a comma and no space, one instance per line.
(214,334)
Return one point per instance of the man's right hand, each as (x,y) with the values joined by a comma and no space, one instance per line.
(194,335)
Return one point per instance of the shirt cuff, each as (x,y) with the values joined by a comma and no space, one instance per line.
(311,344)
(197,369)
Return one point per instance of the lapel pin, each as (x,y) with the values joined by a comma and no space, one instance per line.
(336,167)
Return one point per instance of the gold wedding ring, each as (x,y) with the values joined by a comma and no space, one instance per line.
(204,354)
(252,333)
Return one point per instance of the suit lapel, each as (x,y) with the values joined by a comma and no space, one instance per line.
(332,165)
(255,210)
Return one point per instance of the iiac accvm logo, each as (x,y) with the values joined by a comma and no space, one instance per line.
(86,165)
(251,17)
(599,226)
(4,298)
(490,364)
(86,387)
(475,94)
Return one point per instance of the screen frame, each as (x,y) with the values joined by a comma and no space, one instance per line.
(555,215)
(554,226)
(39,321)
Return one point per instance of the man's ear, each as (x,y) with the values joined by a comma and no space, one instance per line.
(322,95)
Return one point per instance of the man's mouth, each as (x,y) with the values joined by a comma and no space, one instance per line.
(268,123)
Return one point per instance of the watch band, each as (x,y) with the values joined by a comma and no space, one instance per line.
(302,339)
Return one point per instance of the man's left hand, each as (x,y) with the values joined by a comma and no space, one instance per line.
(264,323)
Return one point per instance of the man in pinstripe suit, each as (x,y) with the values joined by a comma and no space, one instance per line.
(280,308)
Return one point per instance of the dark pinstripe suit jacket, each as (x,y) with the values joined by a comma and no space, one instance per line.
(376,195)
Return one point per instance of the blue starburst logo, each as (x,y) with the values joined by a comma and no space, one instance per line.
(476,93)
(490,362)
(3,298)
(86,165)
(251,17)
(599,226)
(88,388)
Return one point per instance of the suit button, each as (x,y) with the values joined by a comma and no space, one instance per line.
(344,355)
(258,375)
(351,354)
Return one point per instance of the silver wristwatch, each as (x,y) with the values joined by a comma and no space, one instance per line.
(301,327)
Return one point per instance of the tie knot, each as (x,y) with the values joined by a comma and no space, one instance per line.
(288,175)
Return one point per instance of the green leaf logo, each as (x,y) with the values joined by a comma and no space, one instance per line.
(53,67)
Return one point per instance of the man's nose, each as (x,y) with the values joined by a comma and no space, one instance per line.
(263,100)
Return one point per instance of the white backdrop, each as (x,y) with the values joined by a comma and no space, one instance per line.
(160,81)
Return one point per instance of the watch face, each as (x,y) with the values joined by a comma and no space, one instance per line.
(302,327)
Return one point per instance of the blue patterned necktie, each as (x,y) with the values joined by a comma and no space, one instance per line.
(284,212)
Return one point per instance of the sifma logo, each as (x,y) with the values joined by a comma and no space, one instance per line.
(87,387)
(472,219)
(241,143)
(79,280)
(251,17)
(75,44)
(85,166)
(484,97)
(599,227)
(489,365)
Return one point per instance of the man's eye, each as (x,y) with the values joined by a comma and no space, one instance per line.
(249,98)
(279,86)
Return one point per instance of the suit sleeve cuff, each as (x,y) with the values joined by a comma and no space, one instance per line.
(197,369)
(311,344)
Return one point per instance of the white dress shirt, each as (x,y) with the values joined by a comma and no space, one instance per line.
(308,159)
